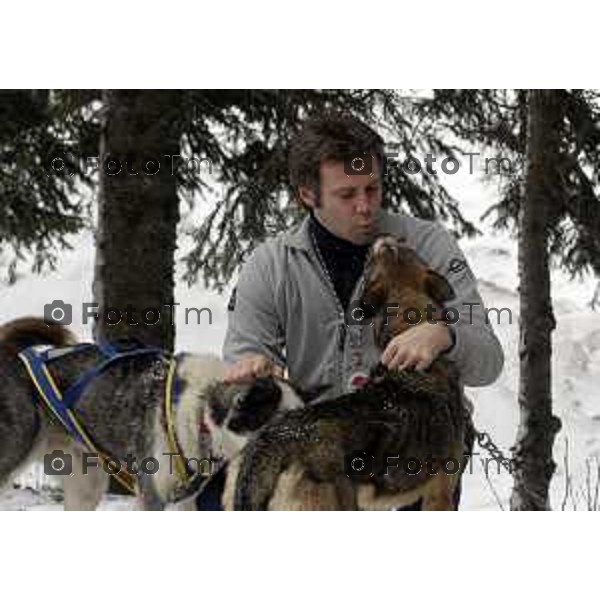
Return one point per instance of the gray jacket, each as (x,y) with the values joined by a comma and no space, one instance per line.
(285,307)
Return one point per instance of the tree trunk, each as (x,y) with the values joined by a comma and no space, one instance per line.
(534,465)
(137,220)
(138,212)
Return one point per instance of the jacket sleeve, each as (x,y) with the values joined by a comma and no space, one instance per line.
(476,351)
(253,322)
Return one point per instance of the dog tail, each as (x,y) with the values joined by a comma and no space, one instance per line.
(27,331)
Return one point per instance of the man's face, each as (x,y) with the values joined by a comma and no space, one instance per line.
(348,204)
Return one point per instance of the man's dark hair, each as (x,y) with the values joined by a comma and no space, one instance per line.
(332,136)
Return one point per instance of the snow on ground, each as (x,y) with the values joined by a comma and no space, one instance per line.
(493,258)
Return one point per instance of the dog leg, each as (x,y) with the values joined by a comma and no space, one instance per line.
(84,491)
(230,480)
(185,505)
(20,440)
(346,494)
(439,494)
(148,497)
(296,491)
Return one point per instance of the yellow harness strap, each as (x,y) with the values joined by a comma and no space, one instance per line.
(172,441)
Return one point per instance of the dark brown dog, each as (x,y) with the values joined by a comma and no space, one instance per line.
(396,276)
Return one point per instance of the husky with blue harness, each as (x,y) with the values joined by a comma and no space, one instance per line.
(162,425)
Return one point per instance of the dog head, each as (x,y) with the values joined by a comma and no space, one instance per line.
(236,411)
(395,275)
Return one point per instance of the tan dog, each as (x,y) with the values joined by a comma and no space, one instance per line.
(303,459)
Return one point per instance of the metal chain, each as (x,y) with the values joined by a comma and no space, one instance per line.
(485,441)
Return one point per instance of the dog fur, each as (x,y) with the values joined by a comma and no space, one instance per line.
(122,411)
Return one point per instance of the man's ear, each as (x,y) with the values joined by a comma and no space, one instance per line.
(438,288)
(307,197)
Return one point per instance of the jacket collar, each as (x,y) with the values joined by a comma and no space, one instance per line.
(299,237)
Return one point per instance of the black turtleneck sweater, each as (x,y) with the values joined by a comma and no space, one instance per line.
(343,259)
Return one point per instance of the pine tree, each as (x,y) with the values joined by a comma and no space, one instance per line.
(40,174)
(535,439)
(551,197)
(241,134)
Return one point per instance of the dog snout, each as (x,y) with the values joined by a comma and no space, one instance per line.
(384,243)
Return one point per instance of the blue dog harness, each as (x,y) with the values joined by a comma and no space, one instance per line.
(62,405)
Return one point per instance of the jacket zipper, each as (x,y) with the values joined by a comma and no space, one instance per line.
(340,309)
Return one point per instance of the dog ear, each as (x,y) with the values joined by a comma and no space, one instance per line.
(438,288)
(255,406)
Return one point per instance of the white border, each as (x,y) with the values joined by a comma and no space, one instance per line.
(309,44)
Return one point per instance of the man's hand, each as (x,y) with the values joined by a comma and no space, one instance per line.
(250,367)
(417,347)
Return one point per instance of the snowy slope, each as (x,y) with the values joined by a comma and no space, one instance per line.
(576,371)
(493,258)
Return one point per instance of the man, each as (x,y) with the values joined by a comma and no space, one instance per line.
(288,310)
